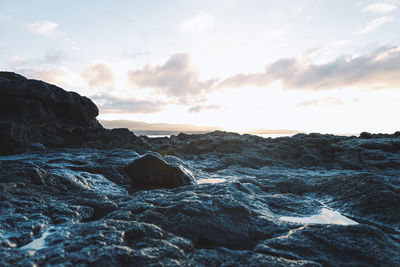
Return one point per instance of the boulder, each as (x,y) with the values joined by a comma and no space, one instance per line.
(33,111)
(28,101)
(150,171)
(366,135)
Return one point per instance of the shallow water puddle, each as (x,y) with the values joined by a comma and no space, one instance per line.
(211,181)
(38,243)
(326,216)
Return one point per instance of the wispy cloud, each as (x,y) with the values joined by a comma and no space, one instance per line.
(380,8)
(327,102)
(276,33)
(63,77)
(375,70)
(298,10)
(176,78)
(321,51)
(51,57)
(45,28)
(50,75)
(110,104)
(4,17)
(98,74)
(373,25)
(198,108)
(200,22)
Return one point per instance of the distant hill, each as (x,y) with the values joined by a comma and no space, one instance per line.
(144,128)
(265,131)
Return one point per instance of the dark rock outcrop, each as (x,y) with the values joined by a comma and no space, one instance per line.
(150,171)
(28,101)
(33,111)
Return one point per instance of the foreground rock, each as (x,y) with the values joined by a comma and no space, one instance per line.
(80,202)
(150,171)
(33,111)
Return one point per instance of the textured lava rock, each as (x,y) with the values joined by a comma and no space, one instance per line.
(81,203)
(151,171)
(24,100)
(381,151)
(33,111)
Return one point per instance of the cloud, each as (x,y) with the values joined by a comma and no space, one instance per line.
(376,70)
(327,101)
(176,78)
(276,33)
(4,17)
(298,10)
(45,28)
(323,51)
(55,57)
(49,68)
(60,76)
(200,22)
(380,8)
(372,25)
(198,108)
(111,104)
(50,75)
(50,58)
(98,74)
(134,54)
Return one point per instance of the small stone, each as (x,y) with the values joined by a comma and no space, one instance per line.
(366,135)
(150,171)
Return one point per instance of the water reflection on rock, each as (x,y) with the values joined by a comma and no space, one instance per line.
(38,243)
(326,216)
(211,181)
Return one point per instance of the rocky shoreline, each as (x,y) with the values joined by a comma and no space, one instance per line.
(76,194)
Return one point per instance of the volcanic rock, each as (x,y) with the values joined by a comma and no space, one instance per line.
(382,151)
(151,171)
(80,202)
(33,111)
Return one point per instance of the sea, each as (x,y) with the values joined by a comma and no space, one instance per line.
(261,135)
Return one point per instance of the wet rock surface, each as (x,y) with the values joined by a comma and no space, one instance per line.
(69,194)
(151,171)
(301,150)
(83,203)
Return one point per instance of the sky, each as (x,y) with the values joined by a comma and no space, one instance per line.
(329,66)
